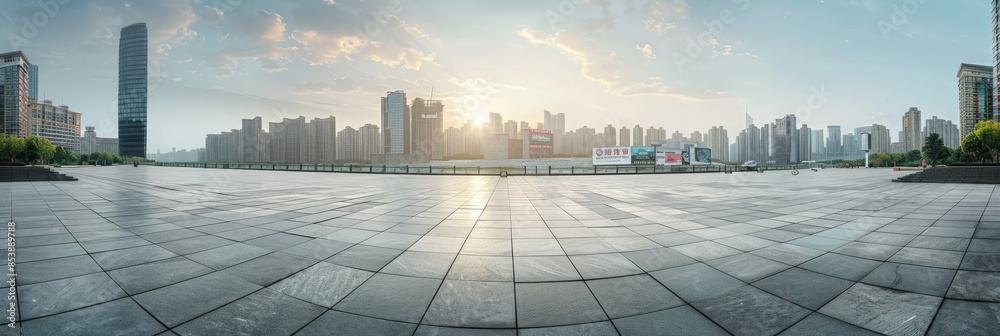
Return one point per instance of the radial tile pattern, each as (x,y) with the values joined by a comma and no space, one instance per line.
(148,250)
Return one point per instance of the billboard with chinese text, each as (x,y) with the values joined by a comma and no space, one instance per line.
(612,156)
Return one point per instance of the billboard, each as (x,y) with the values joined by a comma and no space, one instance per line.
(669,157)
(701,155)
(611,156)
(866,142)
(540,144)
(643,155)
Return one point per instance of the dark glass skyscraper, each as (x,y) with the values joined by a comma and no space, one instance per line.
(133,62)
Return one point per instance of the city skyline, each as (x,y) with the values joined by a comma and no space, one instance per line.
(201,58)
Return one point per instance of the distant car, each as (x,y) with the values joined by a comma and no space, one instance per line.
(750,164)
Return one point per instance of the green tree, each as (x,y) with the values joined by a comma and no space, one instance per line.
(84,159)
(14,148)
(913,156)
(38,149)
(983,143)
(934,150)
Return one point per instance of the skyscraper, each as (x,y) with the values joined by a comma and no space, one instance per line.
(496,124)
(805,147)
(817,141)
(610,137)
(14,93)
(764,153)
(996,55)
(786,143)
(348,146)
(624,137)
(912,138)
(253,140)
(880,139)
(370,141)
(718,141)
(428,128)
(395,123)
(975,97)
(834,144)
(511,129)
(133,67)
(323,137)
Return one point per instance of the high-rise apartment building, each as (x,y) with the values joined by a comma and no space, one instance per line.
(370,141)
(748,144)
(56,123)
(133,67)
(764,152)
(805,147)
(323,137)
(880,139)
(976,101)
(610,136)
(454,139)
(512,129)
(637,138)
(912,138)
(696,136)
(852,145)
(349,145)
(718,141)
(14,107)
(253,149)
(428,128)
(496,124)
(945,129)
(624,137)
(395,123)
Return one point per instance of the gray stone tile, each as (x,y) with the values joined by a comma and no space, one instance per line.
(420,264)
(788,254)
(883,310)
(270,268)
(748,267)
(318,249)
(745,243)
(598,328)
(910,278)
(975,261)
(195,244)
(277,241)
(841,266)
(229,255)
(183,301)
(696,281)
(119,317)
(632,295)
(978,286)
(145,277)
(819,243)
(750,311)
(482,268)
(54,297)
(323,284)
(475,304)
(542,269)
(595,266)
(927,257)
(365,257)
(391,297)
(36,253)
(391,240)
(555,304)
(958,317)
(658,259)
(682,320)
(940,243)
(536,247)
(706,250)
(817,324)
(55,269)
(339,323)
(872,251)
(264,312)
(808,289)
(576,246)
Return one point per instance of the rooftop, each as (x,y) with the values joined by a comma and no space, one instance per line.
(137,251)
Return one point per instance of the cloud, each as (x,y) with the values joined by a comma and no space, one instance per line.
(261,26)
(646,51)
(271,57)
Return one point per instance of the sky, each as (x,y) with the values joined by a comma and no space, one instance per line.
(682,65)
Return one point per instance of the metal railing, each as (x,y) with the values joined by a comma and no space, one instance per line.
(469,170)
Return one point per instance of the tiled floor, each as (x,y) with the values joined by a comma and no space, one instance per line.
(150,250)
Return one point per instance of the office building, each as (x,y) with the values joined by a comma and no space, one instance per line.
(14,93)
(56,123)
(624,137)
(428,128)
(880,139)
(786,142)
(834,142)
(852,145)
(133,75)
(395,123)
(976,101)
(912,136)
(90,143)
(349,145)
(817,141)
(370,141)
(33,82)
(945,129)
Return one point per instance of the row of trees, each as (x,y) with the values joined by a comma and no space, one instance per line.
(27,150)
